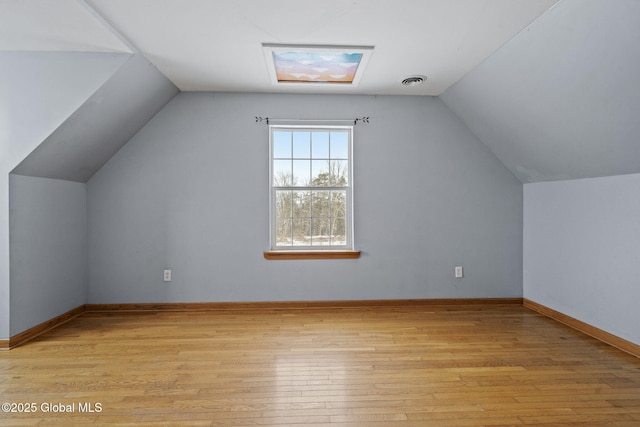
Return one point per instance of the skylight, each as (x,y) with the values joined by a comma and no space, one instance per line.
(340,65)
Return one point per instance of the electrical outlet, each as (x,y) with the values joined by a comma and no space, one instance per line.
(458,272)
(167,275)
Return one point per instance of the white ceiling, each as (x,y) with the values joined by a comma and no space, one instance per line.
(215,45)
(58,25)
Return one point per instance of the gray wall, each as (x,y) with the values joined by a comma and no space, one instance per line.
(582,252)
(190,192)
(38,91)
(47,219)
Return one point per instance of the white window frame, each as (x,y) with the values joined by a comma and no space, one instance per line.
(349,229)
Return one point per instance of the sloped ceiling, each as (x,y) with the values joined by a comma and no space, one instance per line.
(552,91)
(42,31)
(55,26)
(40,90)
(561,100)
(102,125)
(204,45)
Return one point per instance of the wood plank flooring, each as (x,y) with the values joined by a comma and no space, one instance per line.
(491,365)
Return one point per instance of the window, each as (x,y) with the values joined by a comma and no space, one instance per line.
(311,188)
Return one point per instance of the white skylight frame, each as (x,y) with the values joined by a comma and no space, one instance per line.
(270,49)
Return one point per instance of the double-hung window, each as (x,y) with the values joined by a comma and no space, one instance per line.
(311,188)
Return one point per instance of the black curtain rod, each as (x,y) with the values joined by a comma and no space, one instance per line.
(268,120)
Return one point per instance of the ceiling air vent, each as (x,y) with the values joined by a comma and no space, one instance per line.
(414,80)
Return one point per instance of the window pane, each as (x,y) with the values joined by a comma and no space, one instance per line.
(281,173)
(338,203)
(301,145)
(301,236)
(283,204)
(320,203)
(301,205)
(339,145)
(338,234)
(281,145)
(320,229)
(339,173)
(283,232)
(320,173)
(301,172)
(320,145)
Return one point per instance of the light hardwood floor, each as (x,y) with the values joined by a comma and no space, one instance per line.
(385,366)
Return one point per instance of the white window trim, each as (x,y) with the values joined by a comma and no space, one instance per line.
(349,236)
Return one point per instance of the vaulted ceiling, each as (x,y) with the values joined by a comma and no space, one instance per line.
(203,45)
(549,86)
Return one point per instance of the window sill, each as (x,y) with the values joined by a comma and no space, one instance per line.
(276,255)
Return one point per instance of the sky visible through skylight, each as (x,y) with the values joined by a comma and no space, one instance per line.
(316,67)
